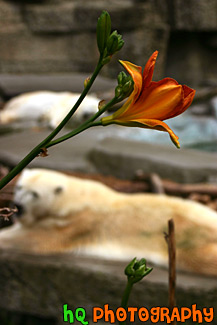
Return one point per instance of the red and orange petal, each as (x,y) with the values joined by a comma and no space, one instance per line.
(152,102)
(136,74)
(151,124)
(158,101)
(189,94)
(149,69)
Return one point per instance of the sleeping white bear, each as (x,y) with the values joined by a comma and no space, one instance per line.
(48,107)
(62,213)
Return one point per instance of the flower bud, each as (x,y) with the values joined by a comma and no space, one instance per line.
(103,31)
(137,270)
(141,273)
(120,42)
(86,82)
(101,104)
(112,44)
(129,270)
(106,60)
(122,78)
(118,91)
(127,86)
(115,43)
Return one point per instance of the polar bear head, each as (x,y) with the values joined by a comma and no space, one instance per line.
(39,194)
(46,196)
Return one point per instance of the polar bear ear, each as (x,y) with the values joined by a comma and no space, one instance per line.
(58,190)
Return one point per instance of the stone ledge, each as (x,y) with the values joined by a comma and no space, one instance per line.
(40,285)
(119,157)
(179,165)
(69,156)
(12,84)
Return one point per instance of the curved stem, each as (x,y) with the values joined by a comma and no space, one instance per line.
(126,296)
(73,133)
(35,152)
(89,123)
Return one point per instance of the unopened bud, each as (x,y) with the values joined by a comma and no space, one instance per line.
(120,44)
(127,86)
(103,31)
(112,44)
(101,104)
(106,60)
(118,91)
(115,43)
(129,270)
(86,82)
(136,270)
(122,78)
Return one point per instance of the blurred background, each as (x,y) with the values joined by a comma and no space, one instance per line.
(51,45)
(52,37)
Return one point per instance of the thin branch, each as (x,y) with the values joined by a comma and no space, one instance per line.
(170,239)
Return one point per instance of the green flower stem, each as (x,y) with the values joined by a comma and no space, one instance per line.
(73,133)
(89,123)
(126,296)
(36,151)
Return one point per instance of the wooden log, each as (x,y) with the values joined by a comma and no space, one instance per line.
(156,184)
(173,188)
(186,189)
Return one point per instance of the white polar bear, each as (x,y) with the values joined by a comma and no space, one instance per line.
(63,213)
(48,107)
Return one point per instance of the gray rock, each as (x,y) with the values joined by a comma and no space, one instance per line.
(39,286)
(51,18)
(195,15)
(143,30)
(11,85)
(64,53)
(11,19)
(56,36)
(139,45)
(213,103)
(82,16)
(95,151)
(70,155)
(190,60)
(73,26)
(200,109)
(184,166)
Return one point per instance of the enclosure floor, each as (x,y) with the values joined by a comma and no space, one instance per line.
(99,150)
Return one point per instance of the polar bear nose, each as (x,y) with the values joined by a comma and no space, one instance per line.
(20,209)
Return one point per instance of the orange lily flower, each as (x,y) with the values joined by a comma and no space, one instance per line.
(151,102)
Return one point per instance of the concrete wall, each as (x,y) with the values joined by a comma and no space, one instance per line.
(58,36)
